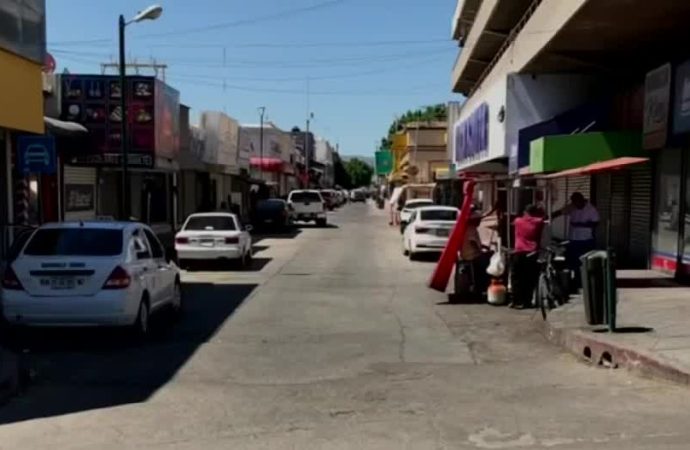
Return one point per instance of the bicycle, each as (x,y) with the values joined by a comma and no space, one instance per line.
(551,289)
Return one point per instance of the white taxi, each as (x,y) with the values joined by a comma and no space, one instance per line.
(89,274)
(213,236)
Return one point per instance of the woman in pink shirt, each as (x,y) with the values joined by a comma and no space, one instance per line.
(525,266)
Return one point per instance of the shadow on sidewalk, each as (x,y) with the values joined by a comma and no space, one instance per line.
(83,369)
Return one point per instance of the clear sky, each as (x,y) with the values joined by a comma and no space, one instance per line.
(366,60)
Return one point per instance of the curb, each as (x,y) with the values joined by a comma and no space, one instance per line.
(597,350)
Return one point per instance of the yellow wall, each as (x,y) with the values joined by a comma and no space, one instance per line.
(21,94)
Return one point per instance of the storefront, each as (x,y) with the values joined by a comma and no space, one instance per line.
(667,131)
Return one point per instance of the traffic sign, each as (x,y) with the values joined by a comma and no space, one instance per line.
(36,154)
(384,162)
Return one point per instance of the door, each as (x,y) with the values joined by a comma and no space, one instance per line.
(143,267)
(164,273)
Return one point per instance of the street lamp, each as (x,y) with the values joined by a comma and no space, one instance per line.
(306,147)
(151,13)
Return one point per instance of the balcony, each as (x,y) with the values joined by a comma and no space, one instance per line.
(492,26)
(465,13)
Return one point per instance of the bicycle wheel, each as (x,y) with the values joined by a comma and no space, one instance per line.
(542,295)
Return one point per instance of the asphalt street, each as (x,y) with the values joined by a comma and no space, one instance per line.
(332,341)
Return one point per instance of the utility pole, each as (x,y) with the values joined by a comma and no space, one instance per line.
(124,148)
(306,146)
(262,111)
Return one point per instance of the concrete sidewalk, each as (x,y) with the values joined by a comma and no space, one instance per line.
(654,328)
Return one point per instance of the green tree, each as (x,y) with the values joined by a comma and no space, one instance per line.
(342,176)
(360,172)
(425,114)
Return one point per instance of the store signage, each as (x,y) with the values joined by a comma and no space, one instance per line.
(384,162)
(657,95)
(472,135)
(681,104)
(36,154)
(79,197)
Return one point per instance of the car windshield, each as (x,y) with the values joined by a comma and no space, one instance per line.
(210,223)
(303,197)
(75,242)
(439,214)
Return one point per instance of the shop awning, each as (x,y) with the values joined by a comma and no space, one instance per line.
(267,164)
(601,166)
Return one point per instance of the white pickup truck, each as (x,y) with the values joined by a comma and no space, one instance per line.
(308,206)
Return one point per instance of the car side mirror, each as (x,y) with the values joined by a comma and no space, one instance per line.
(248,228)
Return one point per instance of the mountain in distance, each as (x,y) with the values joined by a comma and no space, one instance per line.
(369,160)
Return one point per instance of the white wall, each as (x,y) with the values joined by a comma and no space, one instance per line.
(534,99)
(495,97)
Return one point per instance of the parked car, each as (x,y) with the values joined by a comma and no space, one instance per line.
(358,195)
(429,229)
(408,209)
(273,213)
(88,274)
(330,196)
(217,236)
(308,206)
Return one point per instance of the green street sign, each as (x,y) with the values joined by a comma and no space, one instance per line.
(384,162)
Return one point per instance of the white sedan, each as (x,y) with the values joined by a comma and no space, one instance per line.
(213,236)
(428,230)
(409,208)
(90,274)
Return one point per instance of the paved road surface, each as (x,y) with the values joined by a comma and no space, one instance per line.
(332,341)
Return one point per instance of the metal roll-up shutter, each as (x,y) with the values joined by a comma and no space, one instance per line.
(619,214)
(581,184)
(559,199)
(641,179)
(601,198)
(79,199)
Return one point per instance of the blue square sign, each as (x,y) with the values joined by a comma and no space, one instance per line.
(36,154)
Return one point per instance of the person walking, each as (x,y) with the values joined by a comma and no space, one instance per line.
(525,261)
(583,221)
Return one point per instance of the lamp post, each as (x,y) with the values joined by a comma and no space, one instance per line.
(262,111)
(306,147)
(151,13)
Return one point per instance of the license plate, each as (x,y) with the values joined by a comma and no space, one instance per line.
(61,283)
(207,242)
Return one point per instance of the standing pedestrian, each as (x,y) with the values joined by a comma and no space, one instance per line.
(525,266)
(583,220)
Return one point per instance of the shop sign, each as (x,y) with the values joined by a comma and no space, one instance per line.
(36,154)
(472,134)
(681,106)
(79,197)
(657,93)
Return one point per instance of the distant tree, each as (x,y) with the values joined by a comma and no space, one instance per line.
(360,172)
(342,176)
(437,112)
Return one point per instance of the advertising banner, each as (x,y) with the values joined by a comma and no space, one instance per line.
(681,104)
(657,95)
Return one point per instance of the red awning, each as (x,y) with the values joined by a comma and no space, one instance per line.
(601,166)
(267,164)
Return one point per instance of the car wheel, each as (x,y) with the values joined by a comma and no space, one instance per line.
(412,255)
(141,325)
(177,300)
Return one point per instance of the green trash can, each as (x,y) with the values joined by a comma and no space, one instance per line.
(594,290)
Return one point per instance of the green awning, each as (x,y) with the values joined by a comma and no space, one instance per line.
(562,152)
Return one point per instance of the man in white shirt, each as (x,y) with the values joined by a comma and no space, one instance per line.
(583,220)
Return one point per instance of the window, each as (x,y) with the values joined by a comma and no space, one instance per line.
(156,247)
(75,242)
(210,223)
(439,214)
(304,197)
(141,250)
(667,219)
